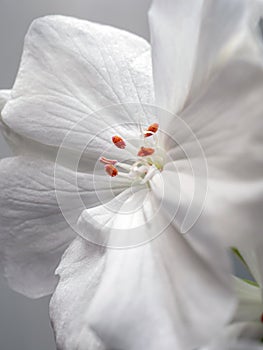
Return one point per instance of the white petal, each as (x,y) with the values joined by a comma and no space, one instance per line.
(183,196)
(167,284)
(163,291)
(121,222)
(72,68)
(22,145)
(193,39)
(154,295)
(80,272)
(227,122)
(4,97)
(34,232)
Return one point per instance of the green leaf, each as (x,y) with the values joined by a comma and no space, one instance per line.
(238,254)
(252,283)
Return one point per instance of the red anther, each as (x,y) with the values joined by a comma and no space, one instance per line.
(261,318)
(111,170)
(144,152)
(107,161)
(118,142)
(153,128)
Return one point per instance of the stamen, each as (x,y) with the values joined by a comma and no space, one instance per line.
(145,151)
(107,161)
(150,174)
(123,166)
(152,129)
(146,165)
(111,170)
(139,171)
(118,142)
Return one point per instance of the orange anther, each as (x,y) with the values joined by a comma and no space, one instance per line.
(144,152)
(118,142)
(111,170)
(153,128)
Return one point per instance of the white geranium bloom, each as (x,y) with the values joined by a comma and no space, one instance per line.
(173,292)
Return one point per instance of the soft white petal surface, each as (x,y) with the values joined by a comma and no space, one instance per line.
(72,68)
(192,39)
(19,144)
(80,272)
(170,292)
(172,286)
(34,233)
(4,97)
(122,221)
(227,122)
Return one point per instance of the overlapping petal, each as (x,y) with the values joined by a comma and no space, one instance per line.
(193,39)
(4,97)
(123,221)
(167,283)
(34,232)
(21,145)
(70,69)
(80,272)
(227,122)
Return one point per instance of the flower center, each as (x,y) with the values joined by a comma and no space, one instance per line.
(149,158)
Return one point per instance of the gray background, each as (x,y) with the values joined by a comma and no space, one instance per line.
(24,323)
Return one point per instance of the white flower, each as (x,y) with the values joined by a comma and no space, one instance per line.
(81,83)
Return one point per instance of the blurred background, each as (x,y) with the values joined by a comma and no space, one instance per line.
(24,323)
